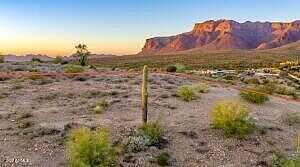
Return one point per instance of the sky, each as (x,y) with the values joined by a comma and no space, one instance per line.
(119,27)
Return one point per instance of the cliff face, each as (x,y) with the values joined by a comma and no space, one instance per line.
(226,35)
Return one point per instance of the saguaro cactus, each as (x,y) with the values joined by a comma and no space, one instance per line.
(298,144)
(145,94)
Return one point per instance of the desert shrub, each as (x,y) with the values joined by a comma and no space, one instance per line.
(201,88)
(81,78)
(153,131)
(40,80)
(180,67)
(254,97)
(25,124)
(280,160)
(35,77)
(71,68)
(187,93)
(34,59)
(230,77)
(278,88)
(33,70)
(251,81)
(138,143)
(102,105)
(17,86)
(87,148)
(163,159)
(57,60)
(292,118)
(171,68)
(267,88)
(285,90)
(232,118)
(1,58)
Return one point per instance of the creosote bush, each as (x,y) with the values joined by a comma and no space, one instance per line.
(171,68)
(233,118)
(71,68)
(87,148)
(187,93)
(254,97)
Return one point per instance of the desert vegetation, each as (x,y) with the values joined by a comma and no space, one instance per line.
(254,97)
(233,118)
(153,119)
(86,148)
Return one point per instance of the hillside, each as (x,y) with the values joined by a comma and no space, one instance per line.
(226,35)
(291,46)
(206,59)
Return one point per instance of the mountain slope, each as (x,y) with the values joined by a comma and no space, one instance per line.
(226,35)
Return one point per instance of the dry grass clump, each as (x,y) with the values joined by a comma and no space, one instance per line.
(233,118)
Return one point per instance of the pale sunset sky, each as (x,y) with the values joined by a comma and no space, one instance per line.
(120,27)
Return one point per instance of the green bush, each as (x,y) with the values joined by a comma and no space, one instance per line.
(285,90)
(34,59)
(187,93)
(180,68)
(254,97)
(232,118)
(1,58)
(58,60)
(278,88)
(267,88)
(86,148)
(163,159)
(70,68)
(292,118)
(171,68)
(102,105)
(153,131)
(201,88)
(280,160)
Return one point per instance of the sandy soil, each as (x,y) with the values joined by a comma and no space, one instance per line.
(34,120)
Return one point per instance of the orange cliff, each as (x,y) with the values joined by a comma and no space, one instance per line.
(226,35)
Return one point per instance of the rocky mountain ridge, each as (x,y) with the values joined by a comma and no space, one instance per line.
(226,35)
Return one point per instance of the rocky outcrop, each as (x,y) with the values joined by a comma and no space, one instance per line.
(226,35)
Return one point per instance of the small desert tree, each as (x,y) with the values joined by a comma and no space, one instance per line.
(82,53)
(1,58)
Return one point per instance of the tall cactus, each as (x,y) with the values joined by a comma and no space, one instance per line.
(298,144)
(145,94)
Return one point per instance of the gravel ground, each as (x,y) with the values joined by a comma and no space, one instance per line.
(35,118)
